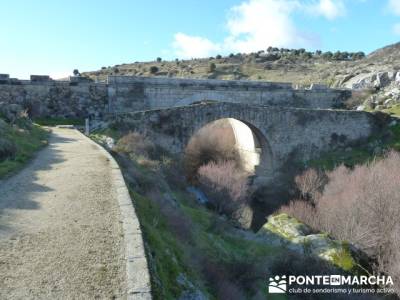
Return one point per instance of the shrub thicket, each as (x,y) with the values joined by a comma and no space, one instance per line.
(226,186)
(359,205)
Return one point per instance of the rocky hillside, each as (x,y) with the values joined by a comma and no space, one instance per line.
(273,64)
(285,65)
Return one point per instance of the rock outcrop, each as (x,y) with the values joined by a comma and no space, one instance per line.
(381,88)
(298,237)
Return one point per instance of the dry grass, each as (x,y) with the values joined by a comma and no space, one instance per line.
(136,143)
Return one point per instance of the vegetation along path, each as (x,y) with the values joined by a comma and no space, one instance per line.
(60,235)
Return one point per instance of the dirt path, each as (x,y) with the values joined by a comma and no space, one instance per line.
(60,235)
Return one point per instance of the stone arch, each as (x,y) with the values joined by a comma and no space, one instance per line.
(251,142)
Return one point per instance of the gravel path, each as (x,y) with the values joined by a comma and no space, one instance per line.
(60,234)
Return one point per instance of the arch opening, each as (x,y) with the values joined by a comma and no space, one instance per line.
(228,139)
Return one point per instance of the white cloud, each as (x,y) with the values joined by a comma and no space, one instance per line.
(257,24)
(396,28)
(187,46)
(329,9)
(394,6)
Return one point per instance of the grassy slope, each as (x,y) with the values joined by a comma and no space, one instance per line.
(27,142)
(59,121)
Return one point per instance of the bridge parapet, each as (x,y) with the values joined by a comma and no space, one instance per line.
(81,98)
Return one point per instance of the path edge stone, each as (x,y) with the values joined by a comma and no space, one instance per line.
(138,284)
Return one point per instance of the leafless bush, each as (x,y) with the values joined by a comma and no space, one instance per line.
(301,210)
(226,186)
(361,206)
(135,143)
(310,184)
(213,142)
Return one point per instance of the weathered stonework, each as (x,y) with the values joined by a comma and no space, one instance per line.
(79,98)
(57,99)
(131,92)
(288,136)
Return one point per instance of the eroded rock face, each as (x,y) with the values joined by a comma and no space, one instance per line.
(371,80)
(382,90)
(298,237)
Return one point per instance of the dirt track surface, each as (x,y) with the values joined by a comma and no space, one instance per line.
(60,234)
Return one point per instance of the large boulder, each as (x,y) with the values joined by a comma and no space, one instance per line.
(383,79)
(298,237)
(243,216)
(362,81)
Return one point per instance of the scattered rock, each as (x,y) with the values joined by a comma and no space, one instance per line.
(109,143)
(243,216)
(388,102)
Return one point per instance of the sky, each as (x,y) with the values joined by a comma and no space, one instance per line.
(53,37)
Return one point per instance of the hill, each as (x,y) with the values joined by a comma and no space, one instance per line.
(283,65)
(375,75)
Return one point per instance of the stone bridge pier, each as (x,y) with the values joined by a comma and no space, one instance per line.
(287,137)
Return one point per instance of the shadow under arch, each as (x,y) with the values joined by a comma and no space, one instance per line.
(252,145)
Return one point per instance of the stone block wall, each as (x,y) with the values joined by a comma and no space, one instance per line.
(131,92)
(57,99)
(79,98)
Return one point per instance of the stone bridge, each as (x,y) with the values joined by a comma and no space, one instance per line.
(81,98)
(288,137)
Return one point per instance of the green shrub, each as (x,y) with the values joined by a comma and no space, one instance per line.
(153,69)
(212,67)
(7,149)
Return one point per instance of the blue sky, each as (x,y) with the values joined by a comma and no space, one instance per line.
(54,36)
